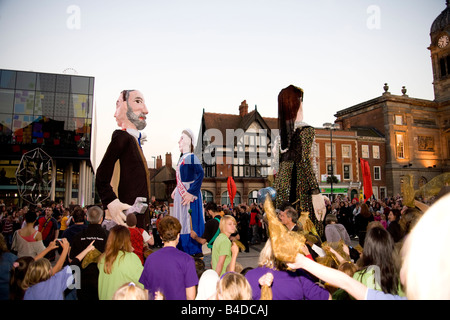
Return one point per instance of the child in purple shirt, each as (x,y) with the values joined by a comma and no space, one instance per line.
(287,285)
(170,271)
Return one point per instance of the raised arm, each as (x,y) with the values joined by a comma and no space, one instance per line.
(332,276)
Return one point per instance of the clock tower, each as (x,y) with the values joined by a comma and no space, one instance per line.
(440,54)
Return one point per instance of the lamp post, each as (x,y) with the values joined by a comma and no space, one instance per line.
(154,182)
(331,127)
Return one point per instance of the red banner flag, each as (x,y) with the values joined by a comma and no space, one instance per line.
(231,189)
(367,179)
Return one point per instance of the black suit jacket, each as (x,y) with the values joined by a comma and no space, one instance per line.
(134,175)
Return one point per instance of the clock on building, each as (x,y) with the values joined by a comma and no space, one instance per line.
(443,41)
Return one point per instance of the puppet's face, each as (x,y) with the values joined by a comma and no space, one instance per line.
(136,109)
(184,144)
(121,112)
(300,112)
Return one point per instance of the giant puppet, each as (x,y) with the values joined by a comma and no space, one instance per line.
(187,197)
(295,180)
(122,179)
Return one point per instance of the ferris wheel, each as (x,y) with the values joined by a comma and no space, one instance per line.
(34,176)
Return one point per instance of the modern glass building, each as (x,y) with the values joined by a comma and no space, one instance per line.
(52,112)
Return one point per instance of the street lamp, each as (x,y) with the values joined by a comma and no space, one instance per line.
(154,176)
(331,127)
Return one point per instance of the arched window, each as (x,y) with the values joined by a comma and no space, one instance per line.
(207,196)
(225,199)
(422,181)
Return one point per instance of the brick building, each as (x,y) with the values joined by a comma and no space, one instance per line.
(239,146)
(162,179)
(416,131)
(348,147)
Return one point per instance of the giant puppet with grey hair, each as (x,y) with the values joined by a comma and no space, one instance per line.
(187,196)
(122,178)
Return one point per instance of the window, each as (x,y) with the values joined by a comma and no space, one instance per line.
(347,171)
(328,150)
(375,192)
(225,199)
(377,173)
(400,145)
(365,151)
(26,80)
(207,196)
(253,197)
(444,64)
(346,151)
(398,119)
(6,101)
(383,193)
(330,169)
(376,152)
(8,79)
(24,102)
(210,170)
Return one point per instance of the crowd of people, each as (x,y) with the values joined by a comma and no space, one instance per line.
(52,252)
(354,215)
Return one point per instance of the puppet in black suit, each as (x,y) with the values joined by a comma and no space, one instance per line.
(124,163)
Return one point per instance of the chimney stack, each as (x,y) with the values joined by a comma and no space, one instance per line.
(158,162)
(243,109)
(169,159)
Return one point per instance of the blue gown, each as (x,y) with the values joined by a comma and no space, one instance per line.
(191,173)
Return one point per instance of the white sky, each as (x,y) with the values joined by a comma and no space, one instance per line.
(187,55)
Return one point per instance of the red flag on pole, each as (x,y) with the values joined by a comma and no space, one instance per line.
(367,179)
(231,189)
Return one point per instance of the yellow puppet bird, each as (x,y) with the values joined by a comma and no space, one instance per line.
(285,243)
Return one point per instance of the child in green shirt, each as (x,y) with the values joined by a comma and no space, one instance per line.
(224,253)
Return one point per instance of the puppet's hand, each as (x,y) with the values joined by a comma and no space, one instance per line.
(116,209)
(187,199)
(319,206)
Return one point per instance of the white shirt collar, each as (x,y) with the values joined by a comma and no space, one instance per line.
(135,133)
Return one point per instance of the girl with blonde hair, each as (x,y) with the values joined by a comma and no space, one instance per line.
(129,291)
(44,282)
(118,264)
(224,252)
(233,286)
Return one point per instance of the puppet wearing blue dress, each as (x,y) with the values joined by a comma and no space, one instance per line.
(187,196)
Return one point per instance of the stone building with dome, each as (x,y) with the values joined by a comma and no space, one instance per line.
(416,131)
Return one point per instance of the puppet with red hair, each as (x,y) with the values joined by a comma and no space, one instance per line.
(295,180)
